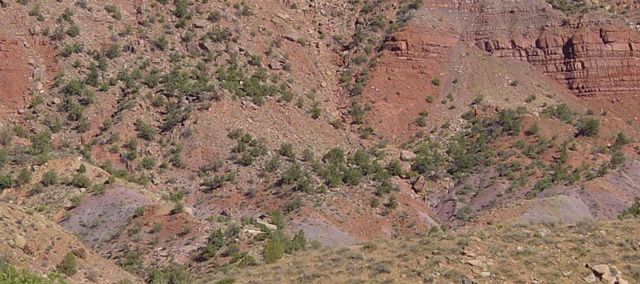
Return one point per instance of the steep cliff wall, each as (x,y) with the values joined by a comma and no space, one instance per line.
(592,57)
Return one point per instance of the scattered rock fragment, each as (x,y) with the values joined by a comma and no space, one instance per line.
(200,23)
(407,156)
(605,273)
(419,184)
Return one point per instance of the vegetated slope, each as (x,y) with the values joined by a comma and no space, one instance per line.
(34,243)
(558,253)
(201,135)
(488,130)
(214,110)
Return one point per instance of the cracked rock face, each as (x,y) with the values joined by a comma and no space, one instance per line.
(591,58)
(14,73)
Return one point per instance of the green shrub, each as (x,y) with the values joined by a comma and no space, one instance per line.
(298,243)
(632,211)
(11,275)
(148,163)
(588,126)
(6,136)
(161,43)
(333,175)
(145,131)
(6,181)
(73,31)
(214,16)
(273,164)
(334,156)
(177,208)
(174,116)
(41,143)
(113,51)
(315,111)
(4,157)
(394,168)
(174,274)
(273,249)
(81,181)
(68,265)
(182,9)
(352,177)
(532,130)
(561,112)
(509,121)
(49,178)
(71,48)
(621,140)
(286,150)
(113,11)
(211,184)
(24,177)
(357,112)
(226,281)
(617,159)
(82,169)
(214,243)
(292,174)
(35,12)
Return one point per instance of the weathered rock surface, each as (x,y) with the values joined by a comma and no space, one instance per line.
(592,57)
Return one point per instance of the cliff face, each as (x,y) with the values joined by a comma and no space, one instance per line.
(592,58)
(14,73)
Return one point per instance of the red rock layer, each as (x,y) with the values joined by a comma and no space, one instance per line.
(14,74)
(590,58)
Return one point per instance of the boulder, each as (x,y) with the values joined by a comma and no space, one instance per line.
(590,278)
(419,184)
(19,241)
(192,47)
(601,269)
(276,64)
(406,155)
(476,263)
(200,23)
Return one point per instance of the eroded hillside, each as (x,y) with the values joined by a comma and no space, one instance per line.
(190,137)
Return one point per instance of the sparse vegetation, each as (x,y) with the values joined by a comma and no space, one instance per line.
(148,100)
(11,275)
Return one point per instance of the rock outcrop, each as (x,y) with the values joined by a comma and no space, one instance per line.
(14,74)
(593,57)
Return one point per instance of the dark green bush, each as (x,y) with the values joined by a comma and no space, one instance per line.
(214,243)
(145,131)
(286,150)
(24,177)
(174,274)
(68,265)
(81,181)
(274,249)
(632,211)
(6,181)
(49,178)
(588,126)
(41,143)
(334,156)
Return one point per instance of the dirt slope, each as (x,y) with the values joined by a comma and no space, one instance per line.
(32,242)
